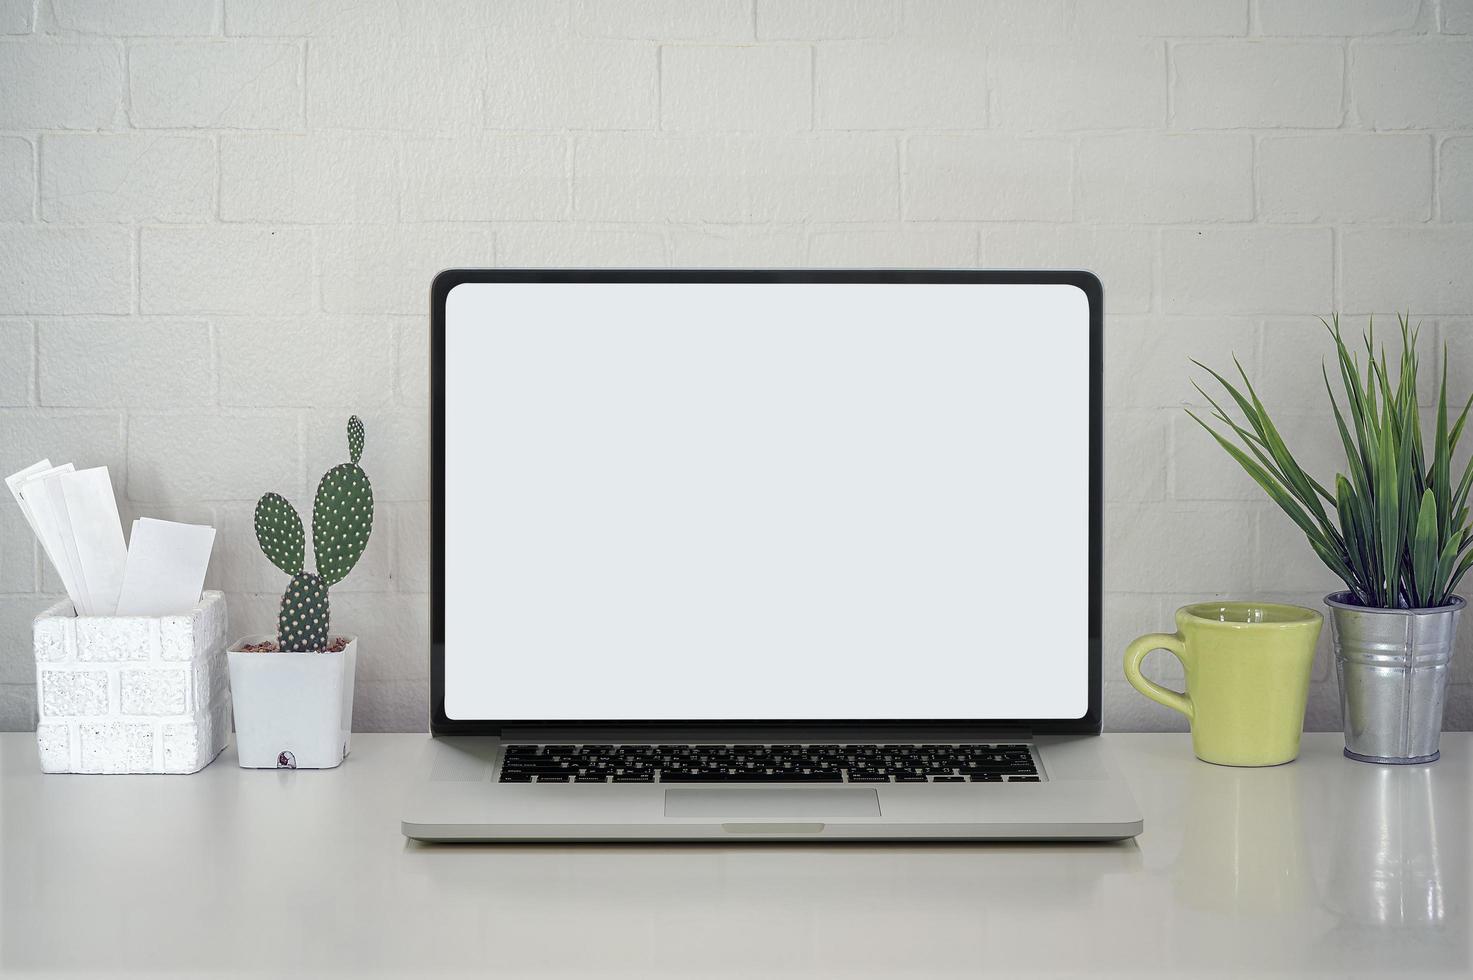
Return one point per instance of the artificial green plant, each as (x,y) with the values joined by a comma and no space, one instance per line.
(1396,528)
(342,518)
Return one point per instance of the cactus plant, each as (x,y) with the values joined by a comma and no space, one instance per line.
(342,519)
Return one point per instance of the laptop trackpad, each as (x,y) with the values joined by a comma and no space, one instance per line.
(814,802)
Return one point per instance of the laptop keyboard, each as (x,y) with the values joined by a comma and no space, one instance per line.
(741,763)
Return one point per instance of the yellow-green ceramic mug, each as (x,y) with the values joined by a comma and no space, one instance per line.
(1247,667)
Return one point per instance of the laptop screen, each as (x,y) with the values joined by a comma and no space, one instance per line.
(766,501)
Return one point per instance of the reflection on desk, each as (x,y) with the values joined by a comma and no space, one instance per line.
(1244,851)
(1324,865)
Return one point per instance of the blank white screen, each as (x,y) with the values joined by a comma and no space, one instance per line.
(763,501)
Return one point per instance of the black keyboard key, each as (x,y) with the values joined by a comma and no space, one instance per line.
(948,779)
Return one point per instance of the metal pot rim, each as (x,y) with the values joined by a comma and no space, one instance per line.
(1336,600)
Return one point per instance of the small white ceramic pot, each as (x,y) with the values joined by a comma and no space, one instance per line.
(292,710)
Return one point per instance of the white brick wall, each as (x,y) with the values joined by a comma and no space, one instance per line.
(127,177)
(1150,177)
(117,362)
(1455,182)
(134,18)
(308,179)
(214,85)
(1080,86)
(1348,17)
(714,87)
(1377,178)
(55,84)
(735,179)
(17,179)
(1402,85)
(1457,17)
(904,83)
(65,270)
(996,176)
(1258,85)
(485,178)
(225,269)
(817,20)
(219,218)
(571,83)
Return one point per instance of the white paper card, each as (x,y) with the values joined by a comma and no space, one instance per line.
(165,569)
(41,496)
(98,534)
(50,542)
(13,483)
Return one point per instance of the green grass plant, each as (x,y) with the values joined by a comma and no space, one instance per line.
(1395,526)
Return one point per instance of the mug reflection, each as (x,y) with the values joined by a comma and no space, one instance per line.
(1243,849)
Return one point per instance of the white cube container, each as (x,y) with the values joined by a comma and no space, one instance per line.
(292,710)
(132,694)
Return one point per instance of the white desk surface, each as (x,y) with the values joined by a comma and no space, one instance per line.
(1324,866)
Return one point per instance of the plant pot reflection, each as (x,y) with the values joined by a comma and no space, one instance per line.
(1385,868)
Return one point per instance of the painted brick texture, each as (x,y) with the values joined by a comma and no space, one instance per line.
(219,220)
(131,694)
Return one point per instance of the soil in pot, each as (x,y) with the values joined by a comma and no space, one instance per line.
(337,645)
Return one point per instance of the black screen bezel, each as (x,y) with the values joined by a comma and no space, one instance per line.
(1088,283)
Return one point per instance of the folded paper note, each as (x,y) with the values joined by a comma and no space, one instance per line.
(14,480)
(166,568)
(37,508)
(97,534)
(74,514)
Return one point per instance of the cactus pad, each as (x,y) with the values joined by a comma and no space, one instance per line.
(301,626)
(279,531)
(342,517)
(355,438)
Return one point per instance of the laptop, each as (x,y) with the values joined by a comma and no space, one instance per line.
(766,555)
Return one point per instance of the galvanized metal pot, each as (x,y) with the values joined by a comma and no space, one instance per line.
(1392,665)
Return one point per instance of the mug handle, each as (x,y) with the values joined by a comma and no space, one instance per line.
(1136,652)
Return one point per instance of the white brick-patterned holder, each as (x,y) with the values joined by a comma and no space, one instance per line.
(132,694)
